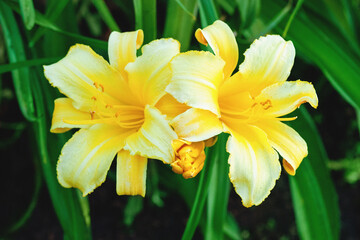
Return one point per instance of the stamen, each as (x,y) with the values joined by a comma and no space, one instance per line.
(93,98)
(92,115)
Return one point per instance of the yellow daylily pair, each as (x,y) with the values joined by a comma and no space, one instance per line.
(125,108)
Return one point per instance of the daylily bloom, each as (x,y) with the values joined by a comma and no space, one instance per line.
(248,105)
(114,105)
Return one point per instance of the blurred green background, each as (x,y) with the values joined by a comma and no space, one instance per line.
(321,202)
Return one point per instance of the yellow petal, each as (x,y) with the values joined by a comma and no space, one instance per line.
(83,74)
(153,140)
(268,60)
(196,79)
(64,110)
(222,41)
(287,142)
(235,106)
(285,97)
(170,107)
(234,85)
(254,165)
(130,174)
(86,158)
(150,73)
(122,48)
(196,125)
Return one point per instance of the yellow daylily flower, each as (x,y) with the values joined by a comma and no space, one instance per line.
(248,105)
(114,105)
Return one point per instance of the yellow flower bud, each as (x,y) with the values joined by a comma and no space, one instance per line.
(189,157)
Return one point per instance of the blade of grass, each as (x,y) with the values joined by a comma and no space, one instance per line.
(53,11)
(18,128)
(187,189)
(219,190)
(16,53)
(65,201)
(292,16)
(274,21)
(200,199)
(27,13)
(180,19)
(145,18)
(231,228)
(248,11)
(208,13)
(138,14)
(133,207)
(42,21)
(342,16)
(28,63)
(313,193)
(106,15)
(228,5)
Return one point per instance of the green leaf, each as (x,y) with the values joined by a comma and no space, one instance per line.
(219,190)
(106,15)
(29,63)
(28,13)
(42,21)
(201,194)
(249,10)
(71,208)
(53,11)
(145,18)
(314,197)
(228,5)
(133,207)
(208,13)
(180,19)
(16,53)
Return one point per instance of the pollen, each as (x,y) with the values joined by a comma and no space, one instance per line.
(189,157)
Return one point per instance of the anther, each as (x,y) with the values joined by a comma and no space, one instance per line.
(266,105)
(93,98)
(92,115)
(102,87)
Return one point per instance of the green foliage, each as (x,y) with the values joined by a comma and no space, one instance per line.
(326,37)
(314,197)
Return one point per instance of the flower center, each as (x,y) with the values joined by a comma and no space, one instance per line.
(126,116)
(250,114)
